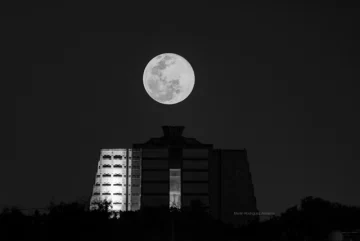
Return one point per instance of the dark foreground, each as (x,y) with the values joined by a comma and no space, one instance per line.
(314,220)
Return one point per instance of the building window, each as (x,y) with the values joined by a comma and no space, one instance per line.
(106,184)
(117,165)
(117,157)
(106,165)
(106,157)
(195,164)
(117,175)
(175,188)
(106,175)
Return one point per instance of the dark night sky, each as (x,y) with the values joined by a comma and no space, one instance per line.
(278,80)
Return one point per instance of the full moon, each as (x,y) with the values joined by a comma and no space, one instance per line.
(168,78)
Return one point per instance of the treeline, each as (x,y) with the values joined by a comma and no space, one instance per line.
(73,221)
(314,219)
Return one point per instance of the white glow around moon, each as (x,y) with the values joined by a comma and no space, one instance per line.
(168,78)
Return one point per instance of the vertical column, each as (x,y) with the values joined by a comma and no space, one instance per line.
(141,177)
(101,179)
(175,165)
(127,179)
(175,188)
(220,161)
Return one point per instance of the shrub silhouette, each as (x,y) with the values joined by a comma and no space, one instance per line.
(74,221)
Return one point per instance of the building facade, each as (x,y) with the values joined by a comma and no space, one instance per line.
(118,179)
(173,171)
(177,170)
(233,189)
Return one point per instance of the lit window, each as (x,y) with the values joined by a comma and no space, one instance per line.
(175,188)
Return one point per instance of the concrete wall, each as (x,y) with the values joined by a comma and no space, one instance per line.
(114,179)
(237,191)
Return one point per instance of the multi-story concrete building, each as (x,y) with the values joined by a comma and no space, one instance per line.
(172,171)
(233,191)
(118,179)
(176,170)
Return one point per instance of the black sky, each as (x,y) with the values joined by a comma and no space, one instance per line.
(278,80)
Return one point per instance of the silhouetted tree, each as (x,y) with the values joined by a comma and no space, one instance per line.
(12,223)
(314,219)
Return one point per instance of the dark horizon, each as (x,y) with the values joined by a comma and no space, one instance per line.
(276,79)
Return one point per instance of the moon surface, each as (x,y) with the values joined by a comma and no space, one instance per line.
(168,78)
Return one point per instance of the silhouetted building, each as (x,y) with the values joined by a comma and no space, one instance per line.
(232,187)
(173,171)
(176,170)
